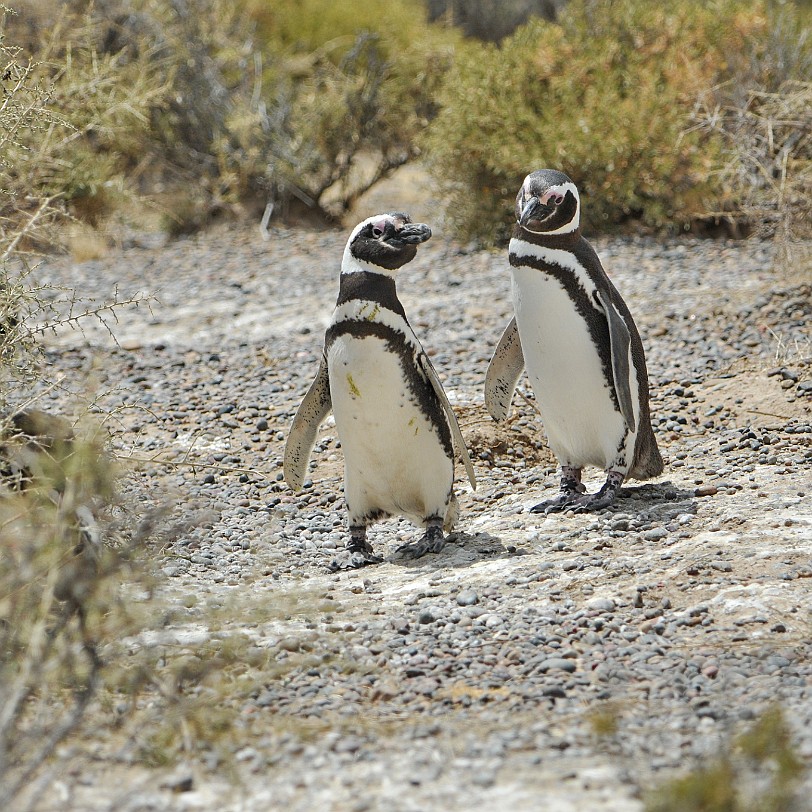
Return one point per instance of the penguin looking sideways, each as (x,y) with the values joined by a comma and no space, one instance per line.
(396,427)
(583,354)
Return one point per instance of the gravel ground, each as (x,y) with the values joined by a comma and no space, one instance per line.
(562,663)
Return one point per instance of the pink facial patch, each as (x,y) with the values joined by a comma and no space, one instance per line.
(554,194)
(380,226)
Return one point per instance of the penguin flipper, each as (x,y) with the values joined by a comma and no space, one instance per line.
(309,416)
(503,372)
(620,341)
(456,434)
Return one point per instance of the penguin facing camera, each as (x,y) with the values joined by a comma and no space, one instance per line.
(396,427)
(574,334)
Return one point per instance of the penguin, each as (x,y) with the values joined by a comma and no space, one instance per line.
(396,427)
(583,354)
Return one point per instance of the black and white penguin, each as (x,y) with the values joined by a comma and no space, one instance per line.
(579,343)
(397,430)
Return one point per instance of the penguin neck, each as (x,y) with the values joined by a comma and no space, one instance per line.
(369,286)
(564,242)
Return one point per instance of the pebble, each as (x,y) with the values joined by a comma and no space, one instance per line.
(467,597)
(557,664)
(601,605)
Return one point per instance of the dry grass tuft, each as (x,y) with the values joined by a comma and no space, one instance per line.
(768,165)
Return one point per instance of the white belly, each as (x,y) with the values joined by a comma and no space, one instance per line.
(582,424)
(394,460)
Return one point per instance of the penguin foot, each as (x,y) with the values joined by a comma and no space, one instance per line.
(604,497)
(564,501)
(576,500)
(432,542)
(571,490)
(358,554)
(593,501)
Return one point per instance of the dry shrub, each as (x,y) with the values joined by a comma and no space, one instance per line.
(66,580)
(78,117)
(768,160)
(204,105)
(339,97)
(60,592)
(606,95)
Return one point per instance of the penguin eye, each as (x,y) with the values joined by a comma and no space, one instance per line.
(377,231)
(558,199)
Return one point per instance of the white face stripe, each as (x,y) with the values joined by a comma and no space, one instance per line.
(375,218)
(554,256)
(351,264)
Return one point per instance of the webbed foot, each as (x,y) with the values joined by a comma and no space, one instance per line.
(432,542)
(572,490)
(358,553)
(580,502)
(563,501)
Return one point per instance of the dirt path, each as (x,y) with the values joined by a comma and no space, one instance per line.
(562,663)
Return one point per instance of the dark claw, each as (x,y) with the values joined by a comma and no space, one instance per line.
(573,496)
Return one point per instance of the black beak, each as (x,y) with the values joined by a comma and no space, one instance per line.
(413,233)
(532,208)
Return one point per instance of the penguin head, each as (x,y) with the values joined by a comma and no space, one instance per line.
(548,203)
(385,242)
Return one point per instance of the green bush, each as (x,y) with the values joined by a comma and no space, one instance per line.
(607,95)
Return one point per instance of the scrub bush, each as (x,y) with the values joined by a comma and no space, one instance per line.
(609,95)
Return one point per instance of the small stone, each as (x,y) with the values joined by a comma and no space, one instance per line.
(385,690)
(601,605)
(348,744)
(184,782)
(265,699)
(706,490)
(427,616)
(290,644)
(655,534)
(467,598)
(557,664)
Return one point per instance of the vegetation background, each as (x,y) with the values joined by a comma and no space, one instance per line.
(686,116)
(683,116)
